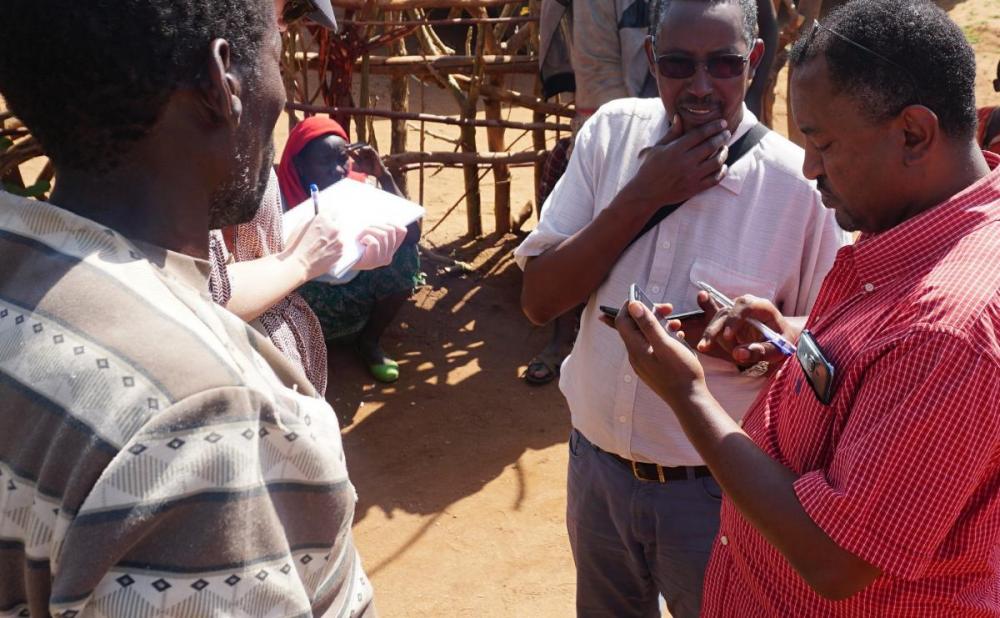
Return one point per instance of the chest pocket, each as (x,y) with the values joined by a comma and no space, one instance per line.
(730,281)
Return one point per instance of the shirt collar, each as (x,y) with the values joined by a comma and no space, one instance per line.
(114,246)
(890,255)
(192,271)
(733,180)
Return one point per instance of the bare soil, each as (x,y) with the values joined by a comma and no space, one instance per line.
(460,467)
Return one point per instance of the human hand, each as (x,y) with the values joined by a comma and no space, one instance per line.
(666,365)
(316,245)
(380,244)
(732,337)
(367,161)
(683,164)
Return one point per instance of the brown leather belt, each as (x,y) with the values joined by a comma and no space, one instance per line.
(661,474)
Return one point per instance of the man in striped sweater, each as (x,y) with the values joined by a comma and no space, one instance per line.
(157,455)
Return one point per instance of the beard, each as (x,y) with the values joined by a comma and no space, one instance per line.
(238,200)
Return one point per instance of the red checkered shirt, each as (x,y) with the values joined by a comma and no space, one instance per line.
(903,467)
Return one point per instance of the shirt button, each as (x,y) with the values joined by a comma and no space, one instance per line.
(666,244)
(869,287)
(724,540)
(628,379)
(655,289)
(621,419)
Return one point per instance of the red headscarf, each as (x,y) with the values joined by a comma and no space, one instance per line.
(984,114)
(311,128)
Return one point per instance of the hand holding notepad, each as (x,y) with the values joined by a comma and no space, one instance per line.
(355,207)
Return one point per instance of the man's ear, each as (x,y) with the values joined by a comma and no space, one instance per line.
(921,130)
(647,44)
(221,88)
(756,55)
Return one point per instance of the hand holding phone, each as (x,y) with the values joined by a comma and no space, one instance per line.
(636,293)
(612,312)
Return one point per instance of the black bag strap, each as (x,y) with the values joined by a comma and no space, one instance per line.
(742,146)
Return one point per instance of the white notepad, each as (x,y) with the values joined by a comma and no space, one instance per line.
(354,205)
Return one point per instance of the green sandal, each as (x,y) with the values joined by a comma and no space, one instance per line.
(386,372)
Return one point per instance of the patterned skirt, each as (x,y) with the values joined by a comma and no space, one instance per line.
(343,310)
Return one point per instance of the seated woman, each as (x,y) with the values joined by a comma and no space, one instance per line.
(362,304)
(254,275)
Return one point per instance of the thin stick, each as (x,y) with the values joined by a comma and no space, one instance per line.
(356,111)
(459,21)
(402,5)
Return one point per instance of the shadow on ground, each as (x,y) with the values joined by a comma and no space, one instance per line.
(460,414)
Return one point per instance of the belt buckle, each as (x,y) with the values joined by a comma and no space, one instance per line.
(659,472)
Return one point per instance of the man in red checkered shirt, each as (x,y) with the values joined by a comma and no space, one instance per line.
(873,492)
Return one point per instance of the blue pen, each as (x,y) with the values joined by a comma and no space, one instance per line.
(314,193)
(784,346)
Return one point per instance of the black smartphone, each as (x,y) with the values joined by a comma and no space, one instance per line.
(612,312)
(635,293)
(819,371)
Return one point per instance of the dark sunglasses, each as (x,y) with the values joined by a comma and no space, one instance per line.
(296,9)
(722,66)
(818,26)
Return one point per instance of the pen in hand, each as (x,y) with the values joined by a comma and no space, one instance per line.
(314,193)
(785,346)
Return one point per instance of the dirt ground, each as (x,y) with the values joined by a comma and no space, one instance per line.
(460,466)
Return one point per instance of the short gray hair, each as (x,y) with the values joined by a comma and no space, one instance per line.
(659,8)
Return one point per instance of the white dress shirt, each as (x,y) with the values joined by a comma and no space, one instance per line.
(763,230)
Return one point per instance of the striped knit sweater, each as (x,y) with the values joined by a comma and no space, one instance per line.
(158,457)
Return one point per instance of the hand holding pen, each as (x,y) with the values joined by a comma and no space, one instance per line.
(314,194)
(785,346)
(745,330)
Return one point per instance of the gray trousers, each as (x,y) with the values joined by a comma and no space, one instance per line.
(633,540)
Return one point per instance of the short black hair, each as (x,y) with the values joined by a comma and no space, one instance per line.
(749,8)
(91,78)
(939,64)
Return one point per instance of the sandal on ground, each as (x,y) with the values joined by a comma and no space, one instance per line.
(541,370)
(386,372)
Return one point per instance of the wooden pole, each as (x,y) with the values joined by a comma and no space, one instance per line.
(400,92)
(495,137)
(423,88)
(408,65)
(494,90)
(459,21)
(402,5)
(473,203)
(466,158)
(431,118)
(359,121)
(501,173)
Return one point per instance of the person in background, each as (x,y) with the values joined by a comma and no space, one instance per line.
(608,63)
(642,508)
(362,304)
(608,56)
(988,135)
(865,481)
(255,274)
(157,456)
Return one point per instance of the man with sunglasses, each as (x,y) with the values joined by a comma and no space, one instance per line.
(866,481)
(642,507)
